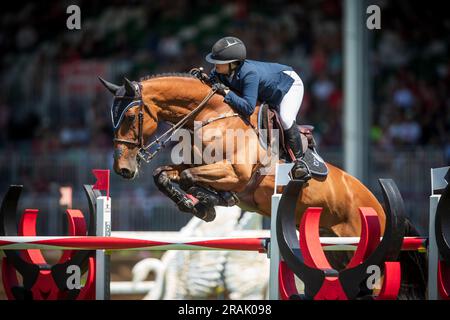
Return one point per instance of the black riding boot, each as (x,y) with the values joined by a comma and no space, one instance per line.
(294,142)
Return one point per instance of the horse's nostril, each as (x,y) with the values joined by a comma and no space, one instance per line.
(126,173)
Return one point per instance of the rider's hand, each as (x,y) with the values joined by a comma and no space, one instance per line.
(220,88)
(198,73)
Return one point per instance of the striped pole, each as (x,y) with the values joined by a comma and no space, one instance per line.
(160,244)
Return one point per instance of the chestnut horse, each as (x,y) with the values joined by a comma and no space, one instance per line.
(170,98)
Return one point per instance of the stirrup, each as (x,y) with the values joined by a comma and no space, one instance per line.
(300,165)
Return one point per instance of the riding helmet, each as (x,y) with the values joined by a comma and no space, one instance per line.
(227,50)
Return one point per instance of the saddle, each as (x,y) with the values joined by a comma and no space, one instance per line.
(268,120)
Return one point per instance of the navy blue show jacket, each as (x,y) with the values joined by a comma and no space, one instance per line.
(255,80)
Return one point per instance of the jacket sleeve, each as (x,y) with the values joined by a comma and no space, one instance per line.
(247,103)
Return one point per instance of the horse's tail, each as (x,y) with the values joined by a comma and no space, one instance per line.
(414,270)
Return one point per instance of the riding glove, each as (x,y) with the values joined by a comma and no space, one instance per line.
(220,88)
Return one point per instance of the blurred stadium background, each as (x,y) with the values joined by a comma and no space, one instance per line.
(55,118)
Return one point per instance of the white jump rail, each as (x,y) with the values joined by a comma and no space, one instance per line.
(129,287)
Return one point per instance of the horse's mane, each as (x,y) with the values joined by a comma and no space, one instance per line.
(167,74)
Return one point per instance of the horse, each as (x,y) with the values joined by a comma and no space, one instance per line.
(139,107)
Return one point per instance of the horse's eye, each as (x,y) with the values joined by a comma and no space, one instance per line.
(131,117)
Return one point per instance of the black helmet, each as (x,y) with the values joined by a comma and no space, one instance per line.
(226,50)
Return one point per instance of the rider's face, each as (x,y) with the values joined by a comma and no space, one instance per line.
(222,68)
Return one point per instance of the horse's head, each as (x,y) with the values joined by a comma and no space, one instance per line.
(133,123)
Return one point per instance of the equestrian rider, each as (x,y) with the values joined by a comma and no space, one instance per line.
(276,84)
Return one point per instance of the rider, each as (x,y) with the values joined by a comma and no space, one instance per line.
(278,85)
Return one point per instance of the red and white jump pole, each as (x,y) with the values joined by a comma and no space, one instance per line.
(163,243)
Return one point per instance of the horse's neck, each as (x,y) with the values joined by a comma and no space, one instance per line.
(176,97)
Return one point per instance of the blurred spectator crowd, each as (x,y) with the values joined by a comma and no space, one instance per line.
(50,98)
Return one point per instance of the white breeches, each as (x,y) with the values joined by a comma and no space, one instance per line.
(292,100)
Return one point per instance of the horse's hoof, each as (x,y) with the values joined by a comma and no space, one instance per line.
(206,213)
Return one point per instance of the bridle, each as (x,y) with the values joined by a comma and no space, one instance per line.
(143,152)
(139,101)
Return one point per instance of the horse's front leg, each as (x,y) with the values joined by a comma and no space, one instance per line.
(221,177)
(166,178)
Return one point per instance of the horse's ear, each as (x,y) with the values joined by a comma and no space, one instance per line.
(129,88)
(110,86)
